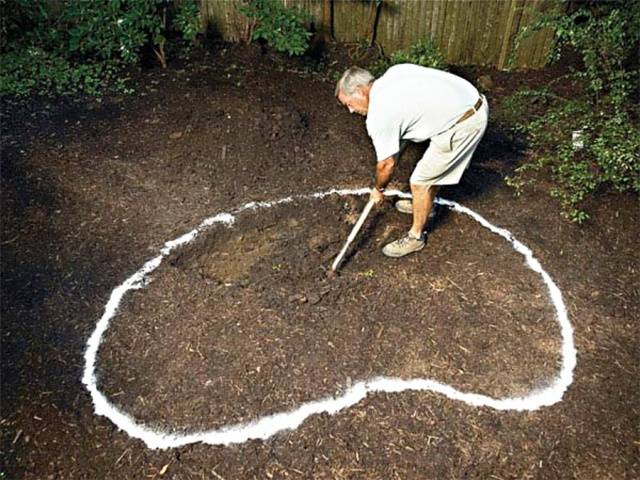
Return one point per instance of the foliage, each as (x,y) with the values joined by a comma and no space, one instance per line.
(82,46)
(368,273)
(424,53)
(35,69)
(283,28)
(603,109)
(187,20)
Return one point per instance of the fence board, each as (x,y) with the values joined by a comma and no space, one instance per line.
(466,31)
(423,20)
(490,36)
(528,44)
(469,36)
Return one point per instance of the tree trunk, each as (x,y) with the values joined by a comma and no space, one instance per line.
(161,56)
(373,21)
(326,23)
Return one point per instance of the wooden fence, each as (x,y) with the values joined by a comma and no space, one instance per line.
(480,32)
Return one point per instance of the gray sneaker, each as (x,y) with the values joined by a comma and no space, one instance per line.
(406,206)
(404,246)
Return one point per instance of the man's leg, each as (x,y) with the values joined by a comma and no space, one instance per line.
(423,197)
(414,241)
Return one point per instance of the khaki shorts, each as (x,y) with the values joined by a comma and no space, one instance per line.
(450,152)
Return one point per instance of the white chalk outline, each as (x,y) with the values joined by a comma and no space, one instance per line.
(265,427)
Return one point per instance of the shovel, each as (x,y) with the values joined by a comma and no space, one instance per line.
(352,235)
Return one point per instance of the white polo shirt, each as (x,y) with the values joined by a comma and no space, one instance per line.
(415,103)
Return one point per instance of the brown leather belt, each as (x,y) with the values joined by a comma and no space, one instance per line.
(470,112)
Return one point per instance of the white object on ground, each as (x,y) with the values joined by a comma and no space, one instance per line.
(352,235)
(267,426)
(577,139)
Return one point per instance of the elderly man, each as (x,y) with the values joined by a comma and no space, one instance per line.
(415,103)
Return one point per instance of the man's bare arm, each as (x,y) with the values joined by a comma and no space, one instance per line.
(384,171)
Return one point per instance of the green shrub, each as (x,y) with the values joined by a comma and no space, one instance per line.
(283,28)
(81,45)
(187,20)
(608,155)
(108,31)
(603,109)
(34,69)
(423,53)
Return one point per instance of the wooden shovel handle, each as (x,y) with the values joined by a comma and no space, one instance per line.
(352,235)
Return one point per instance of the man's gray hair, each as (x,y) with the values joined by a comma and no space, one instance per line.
(353,78)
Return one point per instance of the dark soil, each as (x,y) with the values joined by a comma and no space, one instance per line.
(244,321)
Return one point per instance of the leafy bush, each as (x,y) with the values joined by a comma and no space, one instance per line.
(423,53)
(187,20)
(82,46)
(603,109)
(35,69)
(283,28)
(108,31)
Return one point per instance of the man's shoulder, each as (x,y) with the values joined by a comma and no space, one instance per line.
(392,90)
(382,115)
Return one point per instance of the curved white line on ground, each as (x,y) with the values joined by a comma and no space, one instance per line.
(267,426)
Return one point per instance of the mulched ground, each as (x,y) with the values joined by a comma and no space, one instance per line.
(244,321)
